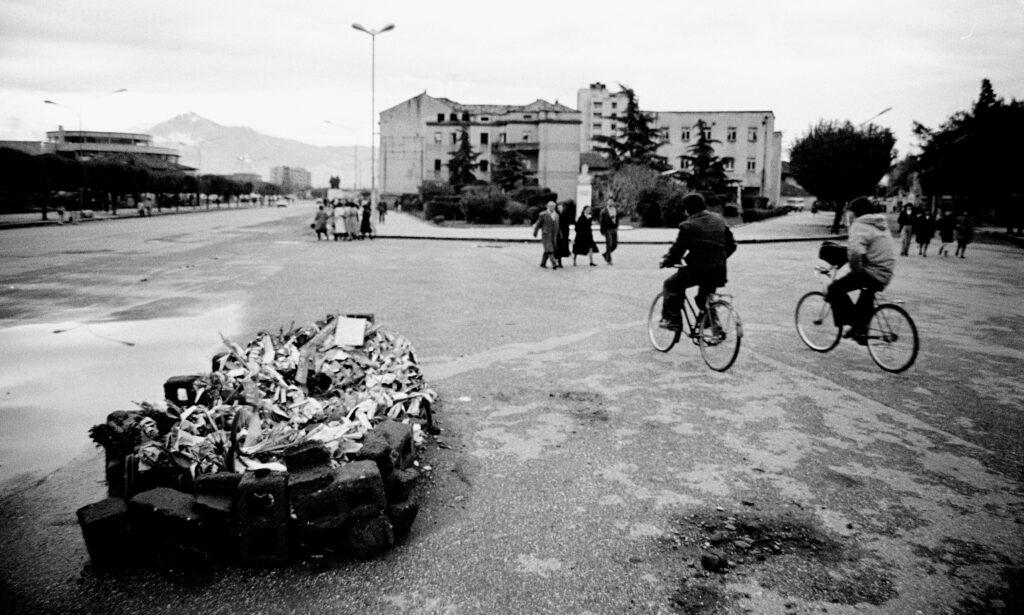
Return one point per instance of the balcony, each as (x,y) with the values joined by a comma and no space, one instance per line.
(516,146)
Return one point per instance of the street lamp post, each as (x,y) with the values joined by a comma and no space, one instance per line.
(875,116)
(355,155)
(373,105)
(78,154)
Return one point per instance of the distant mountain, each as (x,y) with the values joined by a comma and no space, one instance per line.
(239,149)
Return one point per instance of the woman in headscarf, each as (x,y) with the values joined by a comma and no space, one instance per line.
(584,242)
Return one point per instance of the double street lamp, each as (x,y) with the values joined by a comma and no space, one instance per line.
(78,150)
(373,104)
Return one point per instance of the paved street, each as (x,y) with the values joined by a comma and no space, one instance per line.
(581,471)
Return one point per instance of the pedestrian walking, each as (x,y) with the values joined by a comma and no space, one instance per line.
(584,243)
(337,221)
(547,224)
(924,230)
(963,233)
(366,227)
(906,228)
(351,220)
(562,243)
(320,223)
(609,224)
(382,211)
(946,226)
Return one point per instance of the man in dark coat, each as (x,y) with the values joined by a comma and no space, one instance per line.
(547,224)
(705,241)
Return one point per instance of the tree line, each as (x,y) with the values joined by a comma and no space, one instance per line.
(48,181)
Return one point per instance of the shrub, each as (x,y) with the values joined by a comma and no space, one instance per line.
(648,206)
(534,196)
(484,209)
(672,211)
(445,206)
(753,215)
(516,212)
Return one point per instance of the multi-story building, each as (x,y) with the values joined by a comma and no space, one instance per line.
(290,179)
(417,137)
(92,145)
(747,140)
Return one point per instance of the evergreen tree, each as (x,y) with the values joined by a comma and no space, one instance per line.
(638,140)
(510,170)
(706,171)
(462,163)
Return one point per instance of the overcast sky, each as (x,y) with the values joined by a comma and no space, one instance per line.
(283,67)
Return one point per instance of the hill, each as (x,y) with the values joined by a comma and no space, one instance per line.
(214,148)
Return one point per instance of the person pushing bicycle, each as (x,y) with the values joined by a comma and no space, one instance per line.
(872,258)
(705,241)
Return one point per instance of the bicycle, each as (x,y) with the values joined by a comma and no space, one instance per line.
(718,331)
(891,339)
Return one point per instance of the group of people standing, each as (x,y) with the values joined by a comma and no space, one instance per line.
(344,221)
(920,225)
(554,223)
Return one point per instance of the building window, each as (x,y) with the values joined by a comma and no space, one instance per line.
(454,117)
(484,118)
(752,134)
(707,134)
(437,137)
(615,105)
(465,117)
(526,137)
(751,165)
(684,134)
(527,116)
(502,137)
(598,104)
(484,138)
(728,164)
(440,117)
(730,134)
(455,138)
(685,163)
(483,166)
(597,125)
(437,165)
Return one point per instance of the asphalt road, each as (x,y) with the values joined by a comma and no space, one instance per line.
(581,472)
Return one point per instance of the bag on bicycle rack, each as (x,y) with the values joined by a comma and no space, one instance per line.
(833,253)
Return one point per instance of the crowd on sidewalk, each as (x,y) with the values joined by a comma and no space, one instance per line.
(347,220)
(554,224)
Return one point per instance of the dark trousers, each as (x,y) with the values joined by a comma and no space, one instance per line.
(844,312)
(611,240)
(675,292)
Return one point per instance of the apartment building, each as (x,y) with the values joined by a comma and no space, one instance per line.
(291,179)
(748,142)
(418,135)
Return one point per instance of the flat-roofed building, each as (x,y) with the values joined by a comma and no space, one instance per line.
(417,137)
(290,179)
(88,144)
(748,142)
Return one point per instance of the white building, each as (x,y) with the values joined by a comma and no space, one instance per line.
(418,135)
(748,141)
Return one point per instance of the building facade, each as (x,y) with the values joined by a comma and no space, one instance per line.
(87,144)
(290,179)
(747,140)
(418,136)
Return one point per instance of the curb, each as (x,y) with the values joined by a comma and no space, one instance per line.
(622,242)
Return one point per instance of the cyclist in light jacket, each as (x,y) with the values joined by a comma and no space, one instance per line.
(872,259)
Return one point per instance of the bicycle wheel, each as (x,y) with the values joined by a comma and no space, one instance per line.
(662,339)
(720,334)
(814,322)
(892,338)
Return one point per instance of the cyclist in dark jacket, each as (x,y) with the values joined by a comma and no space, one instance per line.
(705,241)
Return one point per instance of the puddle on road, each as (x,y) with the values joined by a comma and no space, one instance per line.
(55,386)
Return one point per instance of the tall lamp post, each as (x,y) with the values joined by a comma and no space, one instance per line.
(355,155)
(373,105)
(875,116)
(78,153)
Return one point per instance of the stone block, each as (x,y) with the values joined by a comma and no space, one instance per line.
(180,390)
(369,536)
(105,530)
(401,484)
(309,480)
(402,514)
(389,445)
(220,484)
(171,528)
(355,491)
(308,454)
(261,508)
